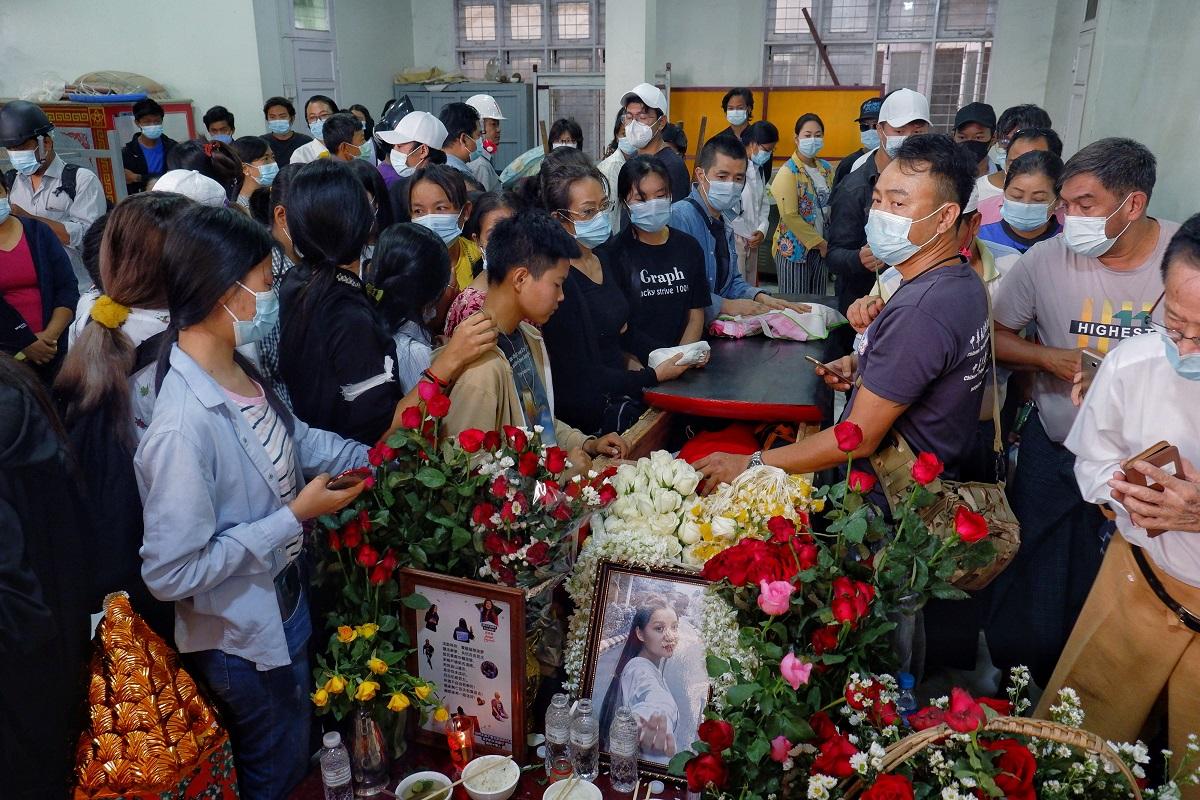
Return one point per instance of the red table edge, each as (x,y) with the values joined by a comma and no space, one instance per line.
(733,409)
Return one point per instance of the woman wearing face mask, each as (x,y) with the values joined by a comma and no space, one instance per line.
(594,388)
(801,192)
(751,225)
(738,105)
(660,269)
(1027,211)
(618,152)
(228,551)
(318,109)
(437,199)
(487,211)
(258,166)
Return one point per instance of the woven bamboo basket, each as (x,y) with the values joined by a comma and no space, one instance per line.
(1045,730)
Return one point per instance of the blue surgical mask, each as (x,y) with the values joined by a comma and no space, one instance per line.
(152,131)
(478,152)
(444,225)
(761,158)
(810,147)
(887,236)
(594,232)
(266,317)
(223,137)
(316,128)
(626,146)
(723,195)
(279,125)
(737,116)
(366,151)
(399,162)
(267,173)
(1024,216)
(869,138)
(1185,366)
(5,209)
(892,146)
(24,161)
(651,216)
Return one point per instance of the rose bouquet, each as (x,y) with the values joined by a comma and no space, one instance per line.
(655,496)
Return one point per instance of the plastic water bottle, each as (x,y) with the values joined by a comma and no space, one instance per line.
(906,703)
(623,751)
(585,742)
(335,768)
(558,738)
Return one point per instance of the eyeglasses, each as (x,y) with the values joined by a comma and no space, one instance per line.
(586,216)
(1175,336)
(646,116)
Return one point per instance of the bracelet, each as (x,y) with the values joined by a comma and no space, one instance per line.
(428,373)
(755,460)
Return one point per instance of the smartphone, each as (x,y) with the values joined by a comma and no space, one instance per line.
(348,479)
(831,370)
(1089,365)
(1163,455)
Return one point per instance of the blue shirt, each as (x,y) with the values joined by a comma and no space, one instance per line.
(215,526)
(460,165)
(687,218)
(1002,240)
(154,157)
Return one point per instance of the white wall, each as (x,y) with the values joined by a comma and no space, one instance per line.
(629,35)
(374,42)
(214,61)
(433,34)
(709,42)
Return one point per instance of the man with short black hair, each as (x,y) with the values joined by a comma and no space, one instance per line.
(145,155)
(921,367)
(280,115)
(868,119)
(1093,286)
(1013,119)
(482,165)
(975,131)
(645,118)
(218,121)
(462,138)
(346,140)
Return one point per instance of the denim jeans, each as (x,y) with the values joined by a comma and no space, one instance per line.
(268,713)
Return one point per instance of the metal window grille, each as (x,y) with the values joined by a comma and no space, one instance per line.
(556,35)
(573,22)
(525,22)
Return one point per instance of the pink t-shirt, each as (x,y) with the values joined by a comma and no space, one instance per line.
(19,283)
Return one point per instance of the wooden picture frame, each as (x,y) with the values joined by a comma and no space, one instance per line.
(622,592)
(468,667)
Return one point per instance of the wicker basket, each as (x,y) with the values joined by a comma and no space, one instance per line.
(1048,731)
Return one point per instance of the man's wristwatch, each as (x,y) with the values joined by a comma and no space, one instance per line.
(755,460)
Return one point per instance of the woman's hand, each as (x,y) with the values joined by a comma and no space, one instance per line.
(670,369)
(43,350)
(743,308)
(316,499)
(610,444)
(779,304)
(656,736)
(473,337)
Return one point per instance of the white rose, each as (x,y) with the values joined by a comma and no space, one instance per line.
(723,527)
(641,484)
(689,532)
(623,480)
(663,524)
(660,458)
(666,501)
(645,505)
(624,508)
(685,479)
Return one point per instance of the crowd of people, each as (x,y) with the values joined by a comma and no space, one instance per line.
(196,361)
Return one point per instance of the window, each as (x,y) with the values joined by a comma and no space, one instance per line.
(556,35)
(849,16)
(478,23)
(573,21)
(525,21)
(310,15)
(787,17)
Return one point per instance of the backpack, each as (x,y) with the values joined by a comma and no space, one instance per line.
(66,186)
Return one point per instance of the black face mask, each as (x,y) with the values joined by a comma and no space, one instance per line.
(976,151)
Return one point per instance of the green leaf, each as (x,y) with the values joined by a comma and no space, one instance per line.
(949,593)
(431,477)
(387,623)
(855,530)
(758,749)
(460,538)
(679,761)
(741,693)
(716,666)
(415,601)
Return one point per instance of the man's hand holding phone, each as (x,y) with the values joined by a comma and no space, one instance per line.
(837,374)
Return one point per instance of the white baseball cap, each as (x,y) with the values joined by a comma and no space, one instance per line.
(190,183)
(651,96)
(486,105)
(902,107)
(417,126)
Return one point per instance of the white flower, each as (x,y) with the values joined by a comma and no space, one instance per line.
(663,524)
(858,762)
(819,786)
(623,480)
(685,479)
(666,501)
(723,526)
(645,505)
(689,532)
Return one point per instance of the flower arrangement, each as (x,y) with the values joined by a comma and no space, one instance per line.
(655,495)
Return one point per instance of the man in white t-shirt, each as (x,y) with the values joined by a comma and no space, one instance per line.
(1093,286)
(1133,643)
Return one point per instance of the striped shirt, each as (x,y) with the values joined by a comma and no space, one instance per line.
(274,437)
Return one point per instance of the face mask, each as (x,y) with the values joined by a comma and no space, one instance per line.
(480,150)
(366,151)
(1085,235)
(223,137)
(625,146)
(976,151)
(869,138)
(316,128)
(279,125)
(761,158)
(887,236)
(651,216)
(594,232)
(24,161)
(267,173)
(723,195)
(5,209)
(266,317)
(444,225)
(1024,216)
(893,145)
(399,162)
(557,145)
(151,131)
(638,133)
(737,116)
(810,147)
(1185,366)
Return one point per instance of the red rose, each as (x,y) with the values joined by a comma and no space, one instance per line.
(730,564)
(1016,766)
(825,640)
(574,489)
(389,559)
(504,574)
(884,714)
(851,599)
(928,717)
(438,406)
(494,544)
(969,526)
(516,438)
(427,390)
(366,556)
(369,482)
(364,520)
(561,513)
(411,418)
(717,734)
(861,482)
(379,574)
(491,440)
(806,552)
(926,468)
(822,725)
(538,554)
(481,514)
(500,486)
(471,440)
(889,787)
(1001,707)
(849,436)
(834,759)
(608,494)
(527,464)
(556,459)
(706,770)
(375,455)
(964,715)
(335,541)
(782,529)
(352,534)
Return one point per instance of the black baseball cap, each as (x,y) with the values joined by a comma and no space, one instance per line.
(981,113)
(870,109)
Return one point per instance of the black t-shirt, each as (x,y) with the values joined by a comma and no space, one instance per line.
(681,182)
(662,284)
(283,149)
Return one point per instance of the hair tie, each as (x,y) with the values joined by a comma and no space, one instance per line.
(109,312)
(208,149)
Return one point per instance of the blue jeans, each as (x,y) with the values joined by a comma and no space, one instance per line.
(268,713)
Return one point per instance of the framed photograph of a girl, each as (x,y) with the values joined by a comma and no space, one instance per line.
(645,651)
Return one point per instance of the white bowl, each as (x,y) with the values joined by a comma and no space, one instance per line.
(484,762)
(582,790)
(437,777)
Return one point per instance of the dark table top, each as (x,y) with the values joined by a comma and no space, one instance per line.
(754,379)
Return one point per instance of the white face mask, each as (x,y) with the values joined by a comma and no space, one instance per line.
(1087,235)
(887,235)
(737,116)
(639,134)
(892,145)
(399,162)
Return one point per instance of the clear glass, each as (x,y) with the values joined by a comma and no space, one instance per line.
(558,738)
(369,755)
(460,736)
(310,15)
(623,750)
(585,742)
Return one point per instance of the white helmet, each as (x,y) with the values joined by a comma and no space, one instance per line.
(486,105)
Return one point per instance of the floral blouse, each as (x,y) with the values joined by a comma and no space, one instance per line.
(802,205)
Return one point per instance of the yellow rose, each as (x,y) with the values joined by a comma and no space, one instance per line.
(441,715)
(335,685)
(423,691)
(367,630)
(398,702)
(366,691)
(320,698)
(346,634)
(377,665)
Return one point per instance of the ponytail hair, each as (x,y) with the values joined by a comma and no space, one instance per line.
(215,160)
